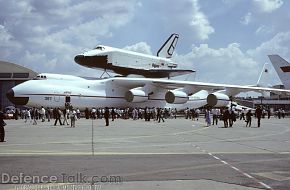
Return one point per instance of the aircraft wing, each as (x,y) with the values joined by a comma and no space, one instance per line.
(192,87)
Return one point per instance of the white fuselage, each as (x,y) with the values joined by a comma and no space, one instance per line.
(124,58)
(53,92)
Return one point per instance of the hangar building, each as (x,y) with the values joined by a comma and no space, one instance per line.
(11,75)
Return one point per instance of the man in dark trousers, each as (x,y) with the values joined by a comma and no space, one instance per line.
(107,115)
(2,124)
(57,116)
(258,114)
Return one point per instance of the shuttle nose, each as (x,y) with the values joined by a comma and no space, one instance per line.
(79,58)
(16,100)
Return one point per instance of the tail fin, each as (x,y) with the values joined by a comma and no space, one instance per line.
(264,78)
(282,68)
(168,47)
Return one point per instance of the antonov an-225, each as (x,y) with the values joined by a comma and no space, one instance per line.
(55,90)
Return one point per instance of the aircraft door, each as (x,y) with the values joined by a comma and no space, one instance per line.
(67,99)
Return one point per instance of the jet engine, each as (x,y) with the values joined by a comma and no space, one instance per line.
(136,95)
(217,100)
(176,97)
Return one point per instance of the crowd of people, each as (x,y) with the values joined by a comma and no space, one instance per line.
(70,115)
(212,116)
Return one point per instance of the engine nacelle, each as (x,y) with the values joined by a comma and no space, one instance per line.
(217,100)
(176,97)
(136,95)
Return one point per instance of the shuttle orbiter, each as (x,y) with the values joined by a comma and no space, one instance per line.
(126,62)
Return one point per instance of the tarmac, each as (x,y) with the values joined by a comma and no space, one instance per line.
(176,154)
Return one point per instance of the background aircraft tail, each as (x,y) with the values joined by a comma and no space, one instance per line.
(264,78)
(168,47)
(282,68)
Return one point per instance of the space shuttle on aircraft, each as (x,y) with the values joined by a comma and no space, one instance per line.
(126,62)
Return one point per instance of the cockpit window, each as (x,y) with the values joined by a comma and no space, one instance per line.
(40,77)
(100,48)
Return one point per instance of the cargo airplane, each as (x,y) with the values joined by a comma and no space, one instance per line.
(126,62)
(54,90)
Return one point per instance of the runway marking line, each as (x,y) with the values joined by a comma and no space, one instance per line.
(249,176)
(235,168)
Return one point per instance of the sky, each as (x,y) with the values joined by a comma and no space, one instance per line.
(225,41)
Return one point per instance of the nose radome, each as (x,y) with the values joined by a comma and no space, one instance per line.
(16,100)
(79,58)
(10,95)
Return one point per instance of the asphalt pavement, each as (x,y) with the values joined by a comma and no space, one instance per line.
(176,154)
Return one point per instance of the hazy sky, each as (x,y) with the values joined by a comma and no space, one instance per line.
(226,41)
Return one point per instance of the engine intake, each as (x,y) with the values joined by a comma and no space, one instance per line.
(176,97)
(136,95)
(217,100)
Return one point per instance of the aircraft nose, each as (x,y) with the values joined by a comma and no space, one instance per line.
(10,95)
(79,58)
(16,100)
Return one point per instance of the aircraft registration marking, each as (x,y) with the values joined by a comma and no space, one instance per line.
(48,98)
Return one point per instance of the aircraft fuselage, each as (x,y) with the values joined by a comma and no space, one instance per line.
(87,94)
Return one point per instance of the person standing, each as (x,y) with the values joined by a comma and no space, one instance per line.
(113,113)
(269,113)
(279,114)
(107,115)
(232,118)
(283,113)
(2,130)
(27,115)
(78,113)
(42,114)
(57,115)
(242,114)
(207,117)
(65,115)
(215,115)
(73,116)
(258,114)
(16,114)
(192,112)
(160,115)
(87,113)
(135,114)
(226,117)
(249,118)
(175,113)
(34,114)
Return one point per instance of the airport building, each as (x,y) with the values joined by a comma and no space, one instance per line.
(274,102)
(11,75)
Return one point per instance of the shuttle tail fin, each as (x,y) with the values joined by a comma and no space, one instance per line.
(282,68)
(168,47)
